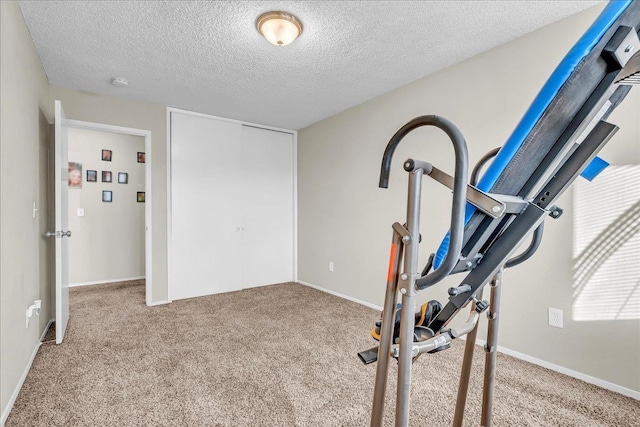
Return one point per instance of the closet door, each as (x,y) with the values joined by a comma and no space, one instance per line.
(206,206)
(267,252)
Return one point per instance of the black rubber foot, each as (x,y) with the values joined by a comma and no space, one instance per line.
(369,356)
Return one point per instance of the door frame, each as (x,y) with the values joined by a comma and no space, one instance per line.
(294,133)
(148,247)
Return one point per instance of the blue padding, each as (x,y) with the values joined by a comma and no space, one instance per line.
(594,168)
(549,91)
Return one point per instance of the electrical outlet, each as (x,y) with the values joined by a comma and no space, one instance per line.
(555,317)
(331,266)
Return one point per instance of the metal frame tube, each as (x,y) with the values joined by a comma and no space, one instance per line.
(491,351)
(465,373)
(475,173)
(531,249)
(386,331)
(459,188)
(409,292)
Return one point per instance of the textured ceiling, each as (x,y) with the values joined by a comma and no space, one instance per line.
(208,56)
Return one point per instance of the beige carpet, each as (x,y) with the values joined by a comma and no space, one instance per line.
(282,355)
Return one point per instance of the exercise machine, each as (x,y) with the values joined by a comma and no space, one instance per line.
(557,140)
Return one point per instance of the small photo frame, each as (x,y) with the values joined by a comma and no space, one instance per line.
(106,176)
(123,178)
(106,155)
(141,157)
(140,197)
(107,196)
(74,179)
(92,176)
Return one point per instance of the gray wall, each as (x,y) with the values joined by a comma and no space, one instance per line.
(25,114)
(24,143)
(345,218)
(108,241)
(121,112)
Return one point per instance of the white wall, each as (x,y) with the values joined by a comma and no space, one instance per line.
(345,218)
(108,241)
(24,252)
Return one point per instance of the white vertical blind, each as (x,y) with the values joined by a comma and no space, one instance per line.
(606,248)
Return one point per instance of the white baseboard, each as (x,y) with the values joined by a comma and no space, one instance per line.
(338,294)
(102,282)
(46,329)
(16,391)
(557,368)
(566,371)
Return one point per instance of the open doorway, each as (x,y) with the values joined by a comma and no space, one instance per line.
(109,207)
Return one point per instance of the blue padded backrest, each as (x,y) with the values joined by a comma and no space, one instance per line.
(551,88)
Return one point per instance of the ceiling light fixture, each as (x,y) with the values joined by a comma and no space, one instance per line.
(279,28)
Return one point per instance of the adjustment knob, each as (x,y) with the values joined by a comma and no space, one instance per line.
(481,306)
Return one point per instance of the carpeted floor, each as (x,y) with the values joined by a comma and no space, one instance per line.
(281,355)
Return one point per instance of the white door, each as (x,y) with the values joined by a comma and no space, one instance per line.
(267,215)
(206,217)
(62,232)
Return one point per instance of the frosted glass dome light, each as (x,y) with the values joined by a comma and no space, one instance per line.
(279,28)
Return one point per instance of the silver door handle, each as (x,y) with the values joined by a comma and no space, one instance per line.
(58,234)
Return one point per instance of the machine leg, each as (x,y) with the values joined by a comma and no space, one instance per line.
(405,358)
(386,332)
(465,373)
(491,350)
(408,289)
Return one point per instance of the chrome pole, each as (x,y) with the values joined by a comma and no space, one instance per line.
(465,374)
(409,292)
(386,331)
(491,350)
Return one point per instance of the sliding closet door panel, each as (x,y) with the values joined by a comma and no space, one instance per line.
(268,207)
(206,191)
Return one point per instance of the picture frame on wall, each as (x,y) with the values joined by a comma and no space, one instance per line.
(123,178)
(74,179)
(107,196)
(92,176)
(141,157)
(140,197)
(106,176)
(106,155)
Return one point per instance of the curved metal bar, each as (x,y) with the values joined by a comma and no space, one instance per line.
(459,188)
(476,169)
(432,120)
(528,253)
(537,234)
